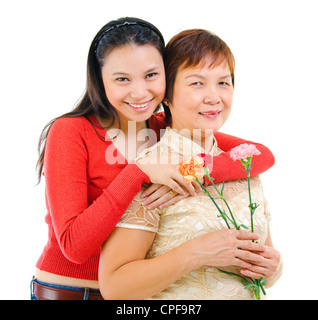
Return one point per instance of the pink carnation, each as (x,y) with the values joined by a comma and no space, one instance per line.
(244,151)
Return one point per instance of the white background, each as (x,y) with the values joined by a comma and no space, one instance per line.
(44,46)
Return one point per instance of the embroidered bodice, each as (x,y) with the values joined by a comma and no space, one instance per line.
(194,216)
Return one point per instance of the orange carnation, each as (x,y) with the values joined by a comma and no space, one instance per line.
(191,168)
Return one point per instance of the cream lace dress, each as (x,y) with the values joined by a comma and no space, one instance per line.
(192,217)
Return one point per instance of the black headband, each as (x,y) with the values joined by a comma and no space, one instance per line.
(127,23)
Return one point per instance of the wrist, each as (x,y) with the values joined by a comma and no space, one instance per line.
(189,255)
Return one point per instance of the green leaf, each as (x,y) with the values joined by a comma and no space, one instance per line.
(246,164)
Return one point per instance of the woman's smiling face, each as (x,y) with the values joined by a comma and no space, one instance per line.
(202,96)
(134,81)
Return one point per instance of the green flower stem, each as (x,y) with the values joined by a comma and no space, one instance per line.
(250,196)
(261,286)
(234,274)
(224,200)
(208,193)
(248,283)
(247,165)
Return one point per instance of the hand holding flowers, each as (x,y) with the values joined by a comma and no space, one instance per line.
(192,168)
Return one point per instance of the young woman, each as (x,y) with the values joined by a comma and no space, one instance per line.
(173,253)
(86,193)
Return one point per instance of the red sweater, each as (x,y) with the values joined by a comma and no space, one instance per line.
(86,197)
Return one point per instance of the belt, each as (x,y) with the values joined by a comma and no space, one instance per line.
(43,292)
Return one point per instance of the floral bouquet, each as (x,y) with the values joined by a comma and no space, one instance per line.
(195,168)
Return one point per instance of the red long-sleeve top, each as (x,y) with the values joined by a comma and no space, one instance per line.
(86,196)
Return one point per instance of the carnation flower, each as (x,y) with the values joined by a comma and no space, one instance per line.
(244,151)
(191,168)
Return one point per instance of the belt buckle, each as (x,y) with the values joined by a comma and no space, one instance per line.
(86,293)
(32,285)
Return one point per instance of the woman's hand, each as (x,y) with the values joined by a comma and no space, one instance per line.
(266,268)
(160,195)
(160,165)
(227,248)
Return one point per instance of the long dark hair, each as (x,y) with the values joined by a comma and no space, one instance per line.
(94,101)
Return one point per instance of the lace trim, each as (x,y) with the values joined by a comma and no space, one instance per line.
(138,216)
(136,226)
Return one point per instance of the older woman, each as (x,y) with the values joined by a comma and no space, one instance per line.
(176,252)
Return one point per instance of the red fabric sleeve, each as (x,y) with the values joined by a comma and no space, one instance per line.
(80,228)
(225,168)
